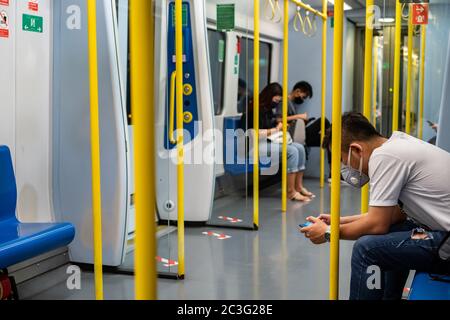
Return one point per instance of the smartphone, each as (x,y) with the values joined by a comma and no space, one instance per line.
(430,123)
(304,225)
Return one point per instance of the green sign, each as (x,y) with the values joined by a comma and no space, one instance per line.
(225,17)
(32,23)
(184,11)
(221,51)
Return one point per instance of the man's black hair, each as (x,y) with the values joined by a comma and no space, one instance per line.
(355,127)
(304,87)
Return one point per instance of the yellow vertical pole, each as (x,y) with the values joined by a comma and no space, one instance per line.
(336,149)
(285,104)
(180,136)
(408,75)
(143,109)
(95,149)
(397,56)
(423,43)
(375,82)
(368,54)
(256,116)
(324,92)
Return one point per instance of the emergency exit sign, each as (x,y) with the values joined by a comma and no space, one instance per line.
(32,23)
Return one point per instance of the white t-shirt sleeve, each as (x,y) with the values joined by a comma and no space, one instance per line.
(388,175)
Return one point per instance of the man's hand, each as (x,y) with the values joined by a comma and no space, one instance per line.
(325,218)
(315,232)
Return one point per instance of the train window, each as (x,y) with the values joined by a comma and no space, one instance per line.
(246,69)
(217,49)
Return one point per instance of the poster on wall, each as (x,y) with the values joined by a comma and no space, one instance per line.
(33,5)
(4,2)
(4,24)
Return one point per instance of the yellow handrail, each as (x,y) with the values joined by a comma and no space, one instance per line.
(310,9)
(285,104)
(95,149)
(423,43)
(256,117)
(172,107)
(397,56)
(408,77)
(336,149)
(368,54)
(180,136)
(143,107)
(324,94)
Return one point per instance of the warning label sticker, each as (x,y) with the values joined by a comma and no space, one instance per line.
(167,262)
(4,2)
(4,24)
(33,5)
(230,219)
(219,236)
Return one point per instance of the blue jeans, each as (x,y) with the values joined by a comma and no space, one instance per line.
(296,155)
(395,254)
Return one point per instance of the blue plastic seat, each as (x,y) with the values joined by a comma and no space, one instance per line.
(22,241)
(241,164)
(426,288)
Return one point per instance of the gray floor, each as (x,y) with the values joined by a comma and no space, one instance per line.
(275,262)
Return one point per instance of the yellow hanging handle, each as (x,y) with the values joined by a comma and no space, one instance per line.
(173,78)
(95,149)
(405,16)
(269,5)
(275,10)
(299,22)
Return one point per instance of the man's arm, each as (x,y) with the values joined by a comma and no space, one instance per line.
(377,221)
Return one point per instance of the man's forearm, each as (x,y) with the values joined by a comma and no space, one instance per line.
(349,219)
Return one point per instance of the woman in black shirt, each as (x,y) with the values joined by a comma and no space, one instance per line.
(270,97)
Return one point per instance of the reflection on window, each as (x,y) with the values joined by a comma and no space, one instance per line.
(217,47)
(246,69)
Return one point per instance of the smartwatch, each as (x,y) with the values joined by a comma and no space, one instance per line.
(328,234)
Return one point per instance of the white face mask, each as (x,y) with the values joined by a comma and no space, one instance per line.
(353,177)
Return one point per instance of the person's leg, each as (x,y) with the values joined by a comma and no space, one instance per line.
(381,258)
(293,157)
(301,169)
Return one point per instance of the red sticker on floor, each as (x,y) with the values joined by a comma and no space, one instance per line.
(4,25)
(219,236)
(33,5)
(229,219)
(4,2)
(167,262)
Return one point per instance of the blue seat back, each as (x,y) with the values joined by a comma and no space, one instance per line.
(8,189)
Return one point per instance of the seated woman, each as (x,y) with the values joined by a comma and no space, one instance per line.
(302,91)
(270,97)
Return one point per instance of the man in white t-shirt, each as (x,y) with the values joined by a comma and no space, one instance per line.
(409,213)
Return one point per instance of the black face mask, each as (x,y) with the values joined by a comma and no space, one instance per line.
(275,105)
(299,100)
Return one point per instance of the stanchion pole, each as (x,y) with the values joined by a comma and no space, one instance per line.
(336,149)
(367,86)
(95,149)
(143,113)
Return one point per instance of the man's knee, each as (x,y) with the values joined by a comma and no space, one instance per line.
(363,249)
